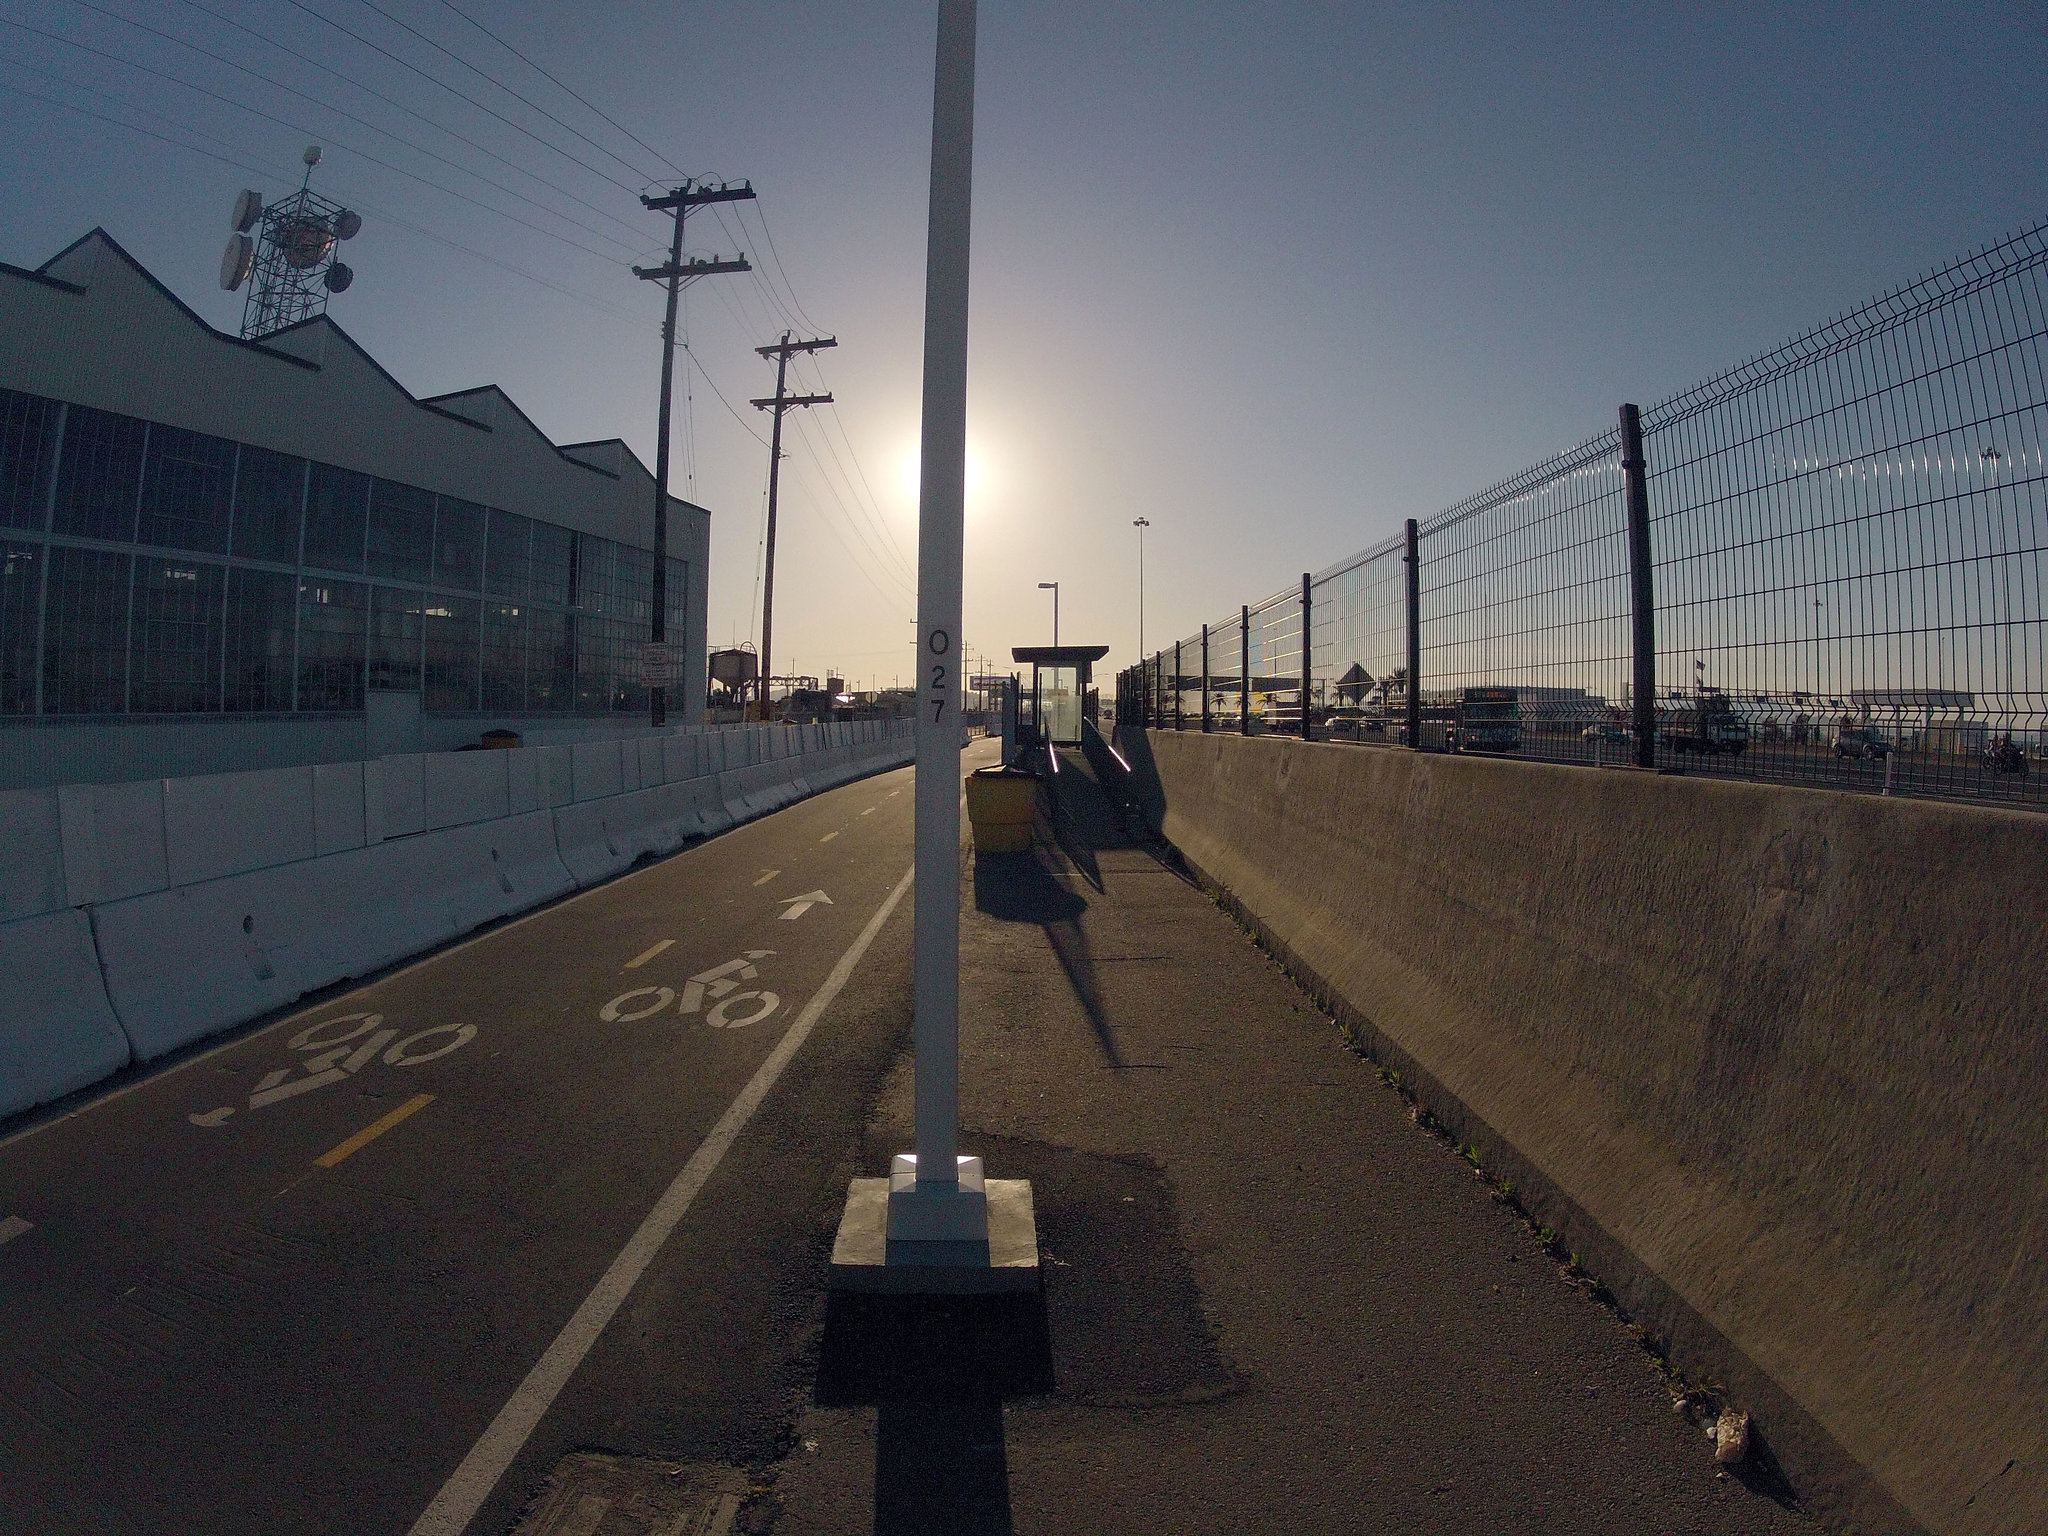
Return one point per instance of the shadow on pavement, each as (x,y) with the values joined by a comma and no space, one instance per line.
(1022,888)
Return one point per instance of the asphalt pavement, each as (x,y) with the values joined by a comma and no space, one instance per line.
(288,1285)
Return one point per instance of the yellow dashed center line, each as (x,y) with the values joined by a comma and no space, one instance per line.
(372,1131)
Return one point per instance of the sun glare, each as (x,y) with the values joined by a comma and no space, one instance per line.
(908,476)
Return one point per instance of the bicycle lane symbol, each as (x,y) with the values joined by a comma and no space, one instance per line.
(334,1058)
(731,1008)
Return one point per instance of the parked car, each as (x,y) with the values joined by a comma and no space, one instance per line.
(1861,743)
(1606,730)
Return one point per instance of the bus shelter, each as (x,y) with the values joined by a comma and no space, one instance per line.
(1059,688)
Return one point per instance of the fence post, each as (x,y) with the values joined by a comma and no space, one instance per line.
(1413,560)
(1308,662)
(1179,717)
(1205,679)
(1244,669)
(1642,608)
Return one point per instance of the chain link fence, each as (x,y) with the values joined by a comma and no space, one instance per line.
(1835,576)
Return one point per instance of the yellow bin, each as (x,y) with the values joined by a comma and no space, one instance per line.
(1000,803)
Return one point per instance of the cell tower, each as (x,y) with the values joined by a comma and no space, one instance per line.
(290,265)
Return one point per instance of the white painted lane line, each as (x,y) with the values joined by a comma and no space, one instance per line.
(464,1493)
(804,903)
(869,811)
(767,875)
(647,954)
(828,837)
(12,1227)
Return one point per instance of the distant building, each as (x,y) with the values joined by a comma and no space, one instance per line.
(218,553)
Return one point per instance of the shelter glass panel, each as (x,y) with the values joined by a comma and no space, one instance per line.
(101,475)
(333,621)
(85,644)
(270,495)
(259,640)
(175,668)
(188,487)
(28,431)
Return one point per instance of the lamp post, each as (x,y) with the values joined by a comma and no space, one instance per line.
(1141,524)
(1054,588)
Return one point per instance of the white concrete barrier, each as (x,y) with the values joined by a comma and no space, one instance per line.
(182,964)
(32,873)
(599,838)
(220,824)
(57,1033)
(461,787)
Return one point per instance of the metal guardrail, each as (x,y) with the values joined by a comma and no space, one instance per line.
(1828,566)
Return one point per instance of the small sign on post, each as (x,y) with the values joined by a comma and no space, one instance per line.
(661,664)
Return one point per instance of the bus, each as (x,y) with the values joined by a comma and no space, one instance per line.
(1489,720)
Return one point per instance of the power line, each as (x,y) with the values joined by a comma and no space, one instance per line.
(900,569)
(406,64)
(393,101)
(363,121)
(300,128)
(501,85)
(530,64)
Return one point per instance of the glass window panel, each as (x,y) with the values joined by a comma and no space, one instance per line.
(401,531)
(510,544)
(270,490)
(553,571)
(633,587)
(101,474)
(333,616)
(21,577)
(188,481)
(175,668)
(28,426)
(458,543)
(551,660)
(451,652)
(595,663)
(504,655)
(594,573)
(395,615)
(337,505)
(259,640)
(85,644)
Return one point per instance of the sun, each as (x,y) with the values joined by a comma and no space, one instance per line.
(908,475)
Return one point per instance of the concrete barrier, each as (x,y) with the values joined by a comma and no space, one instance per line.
(1770,1058)
(32,873)
(599,838)
(57,1033)
(184,963)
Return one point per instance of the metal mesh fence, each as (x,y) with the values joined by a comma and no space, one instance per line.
(1848,575)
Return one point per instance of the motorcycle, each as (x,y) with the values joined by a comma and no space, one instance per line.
(2005,756)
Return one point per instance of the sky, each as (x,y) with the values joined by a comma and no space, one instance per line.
(1271,276)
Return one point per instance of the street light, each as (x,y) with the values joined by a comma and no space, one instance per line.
(1054,588)
(1141,524)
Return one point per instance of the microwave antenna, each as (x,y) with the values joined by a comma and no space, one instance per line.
(285,253)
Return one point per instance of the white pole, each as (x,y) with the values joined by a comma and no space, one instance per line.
(941,517)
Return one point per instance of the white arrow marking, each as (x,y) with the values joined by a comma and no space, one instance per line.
(13,1227)
(211,1118)
(799,905)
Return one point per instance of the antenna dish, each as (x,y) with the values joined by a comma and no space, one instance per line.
(236,261)
(248,209)
(304,240)
(338,276)
(311,156)
(347,224)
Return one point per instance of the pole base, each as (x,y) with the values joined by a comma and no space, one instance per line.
(945,1259)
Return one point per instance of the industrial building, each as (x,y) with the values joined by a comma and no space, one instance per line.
(218,553)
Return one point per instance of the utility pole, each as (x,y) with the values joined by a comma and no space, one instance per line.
(1141,524)
(782,351)
(677,273)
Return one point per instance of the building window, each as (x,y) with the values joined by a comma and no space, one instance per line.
(333,621)
(259,640)
(633,588)
(401,531)
(28,428)
(553,568)
(101,477)
(594,573)
(188,483)
(551,660)
(21,577)
(85,642)
(458,544)
(177,654)
(506,555)
(270,491)
(451,652)
(337,506)
(678,594)
(504,655)
(395,615)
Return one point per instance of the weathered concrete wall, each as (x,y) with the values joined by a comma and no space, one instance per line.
(1771,1058)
